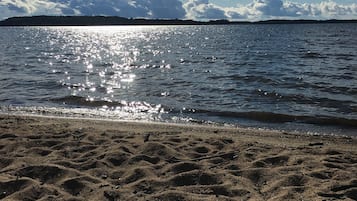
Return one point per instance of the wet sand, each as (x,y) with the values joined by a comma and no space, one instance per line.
(79,159)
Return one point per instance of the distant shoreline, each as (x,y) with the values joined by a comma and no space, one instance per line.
(113,20)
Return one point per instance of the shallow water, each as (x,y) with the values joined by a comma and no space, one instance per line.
(293,77)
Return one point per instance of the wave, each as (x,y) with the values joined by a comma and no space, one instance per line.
(270,117)
(312,55)
(247,78)
(261,116)
(134,107)
(82,101)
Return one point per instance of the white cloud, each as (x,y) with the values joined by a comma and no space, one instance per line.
(203,10)
(129,8)
(125,8)
(9,8)
(273,9)
(190,9)
(330,9)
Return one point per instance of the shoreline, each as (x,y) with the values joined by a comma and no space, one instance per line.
(235,129)
(120,21)
(299,128)
(57,158)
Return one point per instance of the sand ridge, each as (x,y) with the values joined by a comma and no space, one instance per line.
(77,159)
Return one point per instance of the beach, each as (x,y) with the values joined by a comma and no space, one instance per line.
(48,158)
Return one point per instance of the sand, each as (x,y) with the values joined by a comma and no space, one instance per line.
(81,159)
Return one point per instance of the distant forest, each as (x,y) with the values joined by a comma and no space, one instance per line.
(112,20)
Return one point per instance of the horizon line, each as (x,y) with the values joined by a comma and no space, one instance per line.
(118,20)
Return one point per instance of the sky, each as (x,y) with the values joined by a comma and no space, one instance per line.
(235,10)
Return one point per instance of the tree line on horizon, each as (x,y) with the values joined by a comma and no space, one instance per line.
(115,20)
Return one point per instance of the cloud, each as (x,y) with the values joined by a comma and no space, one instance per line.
(331,9)
(129,8)
(9,8)
(272,9)
(126,8)
(203,10)
(190,9)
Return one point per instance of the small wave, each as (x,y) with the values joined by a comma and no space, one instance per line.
(270,117)
(97,113)
(82,101)
(247,79)
(312,55)
(346,57)
(134,107)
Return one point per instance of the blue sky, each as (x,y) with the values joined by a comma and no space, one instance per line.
(238,10)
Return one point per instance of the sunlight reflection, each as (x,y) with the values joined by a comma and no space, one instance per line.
(104,61)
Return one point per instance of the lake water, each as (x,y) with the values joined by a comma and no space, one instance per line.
(288,77)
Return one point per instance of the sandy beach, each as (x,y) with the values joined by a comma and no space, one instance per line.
(80,159)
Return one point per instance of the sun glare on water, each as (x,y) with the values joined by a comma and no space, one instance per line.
(99,63)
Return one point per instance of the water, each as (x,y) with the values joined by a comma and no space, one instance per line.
(288,77)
